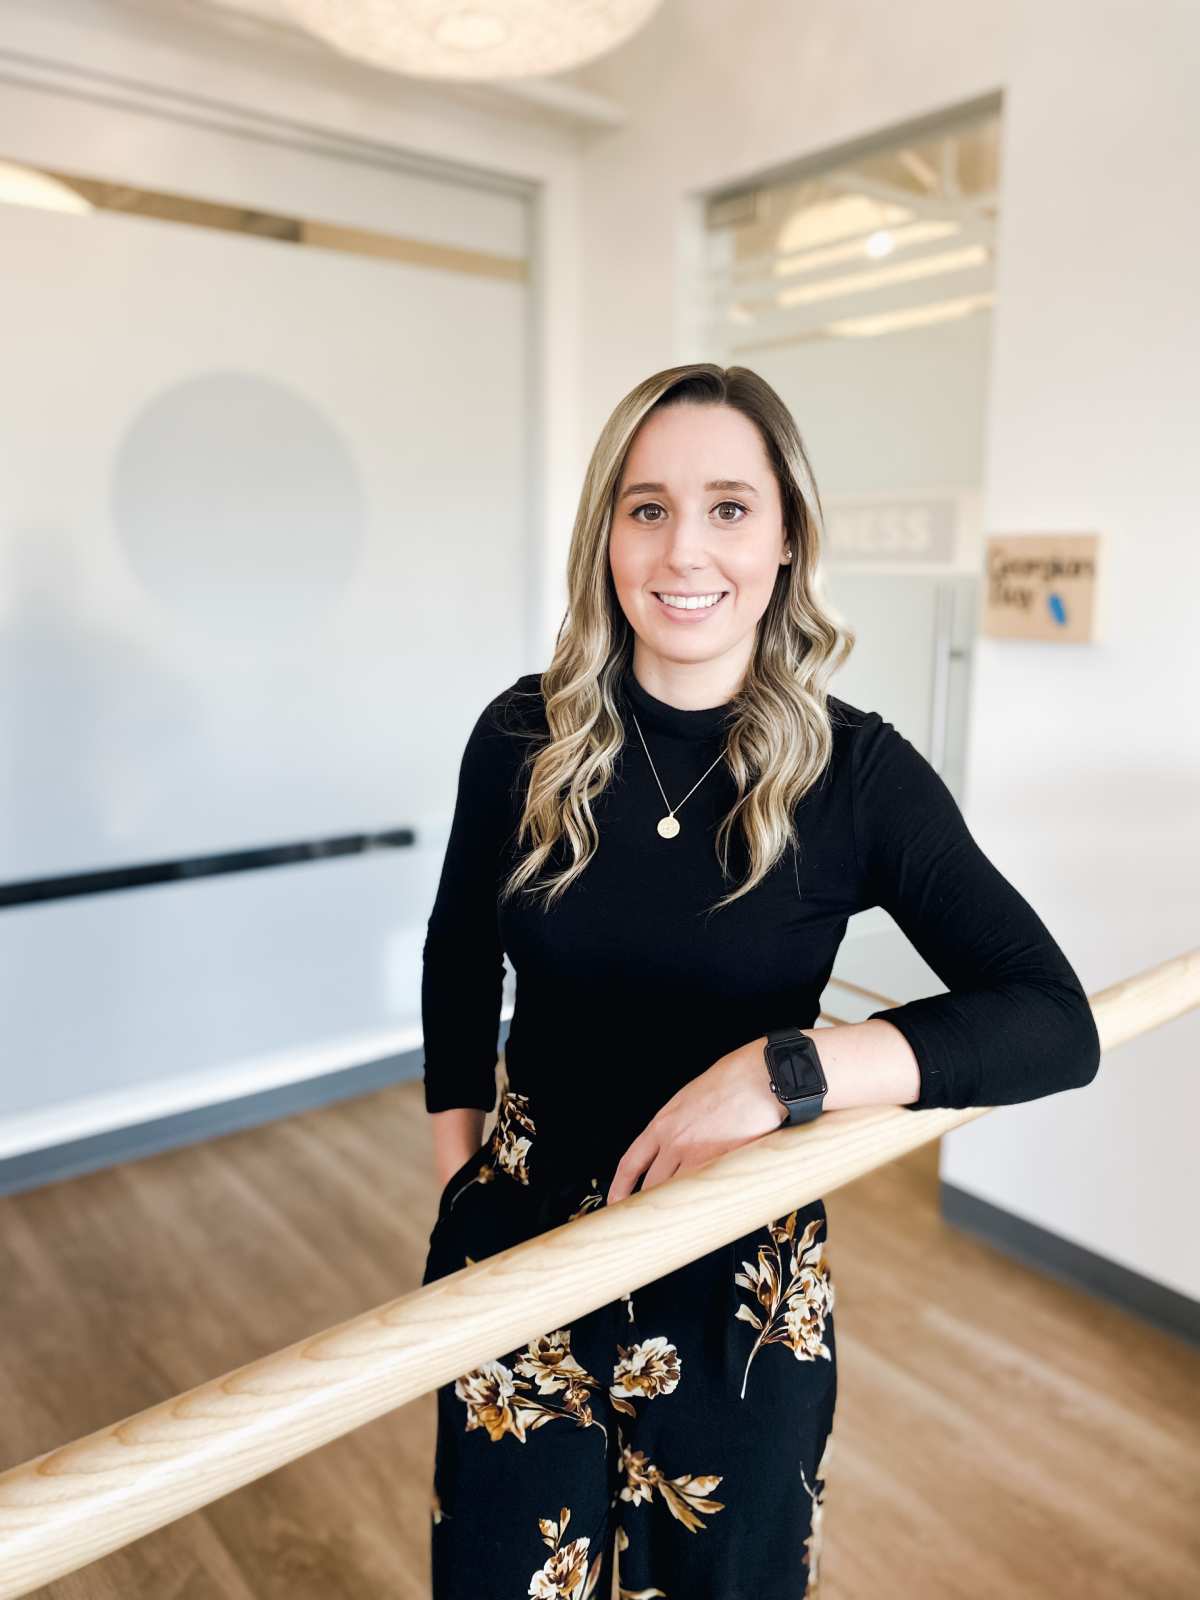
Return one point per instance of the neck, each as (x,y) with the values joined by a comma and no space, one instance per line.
(700,722)
(689,685)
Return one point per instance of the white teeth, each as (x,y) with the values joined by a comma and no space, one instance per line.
(690,602)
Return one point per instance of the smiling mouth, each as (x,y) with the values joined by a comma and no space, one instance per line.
(689,602)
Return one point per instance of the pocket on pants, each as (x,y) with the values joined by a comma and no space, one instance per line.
(445,1252)
(461,1175)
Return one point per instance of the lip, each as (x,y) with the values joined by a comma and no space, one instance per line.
(696,613)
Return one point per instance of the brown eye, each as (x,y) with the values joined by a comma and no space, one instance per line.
(737,506)
(649,506)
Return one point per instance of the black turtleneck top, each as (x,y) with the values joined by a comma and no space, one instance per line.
(625,990)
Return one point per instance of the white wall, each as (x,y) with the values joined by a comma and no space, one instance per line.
(171,695)
(1084,774)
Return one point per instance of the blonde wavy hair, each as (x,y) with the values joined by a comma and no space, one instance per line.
(780,739)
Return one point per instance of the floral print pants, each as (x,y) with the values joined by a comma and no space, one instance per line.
(671,1443)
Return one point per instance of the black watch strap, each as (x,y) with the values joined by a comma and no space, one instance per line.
(795,1072)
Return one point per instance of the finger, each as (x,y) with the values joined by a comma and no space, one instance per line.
(630,1167)
(663,1166)
(622,1184)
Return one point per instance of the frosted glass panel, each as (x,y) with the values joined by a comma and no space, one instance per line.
(263,535)
(265,550)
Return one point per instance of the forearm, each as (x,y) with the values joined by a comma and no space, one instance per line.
(457,1134)
(866,1064)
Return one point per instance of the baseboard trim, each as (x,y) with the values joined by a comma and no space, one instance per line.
(1072,1263)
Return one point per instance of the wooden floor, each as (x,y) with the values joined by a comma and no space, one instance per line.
(997,1434)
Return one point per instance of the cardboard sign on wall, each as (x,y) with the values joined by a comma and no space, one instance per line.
(1040,586)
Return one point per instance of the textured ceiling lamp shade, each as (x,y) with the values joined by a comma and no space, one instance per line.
(473,39)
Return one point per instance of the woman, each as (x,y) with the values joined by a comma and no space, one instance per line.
(666,831)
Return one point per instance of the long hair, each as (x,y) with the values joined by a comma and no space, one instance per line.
(780,738)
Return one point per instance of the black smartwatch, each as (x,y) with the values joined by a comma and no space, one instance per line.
(796,1074)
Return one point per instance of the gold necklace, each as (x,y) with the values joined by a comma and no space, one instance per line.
(668,826)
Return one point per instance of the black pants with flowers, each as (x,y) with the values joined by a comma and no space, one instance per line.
(683,1431)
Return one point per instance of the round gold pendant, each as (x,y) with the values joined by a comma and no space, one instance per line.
(668,827)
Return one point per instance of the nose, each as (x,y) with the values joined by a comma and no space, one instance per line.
(687,544)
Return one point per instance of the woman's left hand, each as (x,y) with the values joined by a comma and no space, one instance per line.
(728,1105)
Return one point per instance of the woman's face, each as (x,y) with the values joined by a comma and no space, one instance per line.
(697,515)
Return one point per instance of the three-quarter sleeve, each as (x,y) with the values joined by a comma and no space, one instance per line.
(462,974)
(1016,1023)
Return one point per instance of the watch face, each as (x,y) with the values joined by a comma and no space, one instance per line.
(796,1068)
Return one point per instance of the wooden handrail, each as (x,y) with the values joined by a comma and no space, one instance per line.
(74,1504)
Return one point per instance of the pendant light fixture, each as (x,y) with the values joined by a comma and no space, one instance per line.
(473,40)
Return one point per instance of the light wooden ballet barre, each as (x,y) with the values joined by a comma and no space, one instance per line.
(81,1501)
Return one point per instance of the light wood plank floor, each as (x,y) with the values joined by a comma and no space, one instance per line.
(997,1434)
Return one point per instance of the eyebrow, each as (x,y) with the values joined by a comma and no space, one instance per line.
(716,483)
